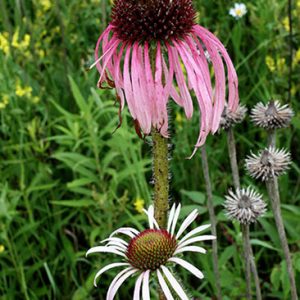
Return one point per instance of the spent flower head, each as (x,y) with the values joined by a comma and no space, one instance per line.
(268,163)
(229,118)
(152,51)
(152,252)
(271,115)
(244,205)
(238,11)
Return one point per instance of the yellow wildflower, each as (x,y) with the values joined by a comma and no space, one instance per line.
(294,90)
(15,39)
(24,44)
(296,59)
(23,91)
(35,100)
(179,119)
(298,4)
(2,248)
(46,4)
(4,102)
(21,45)
(270,63)
(139,204)
(286,24)
(41,53)
(280,62)
(4,43)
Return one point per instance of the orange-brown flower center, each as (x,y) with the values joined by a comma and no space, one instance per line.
(151,249)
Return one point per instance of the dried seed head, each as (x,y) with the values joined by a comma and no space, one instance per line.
(151,249)
(245,205)
(230,118)
(272,115)
(268,163)
(147,20)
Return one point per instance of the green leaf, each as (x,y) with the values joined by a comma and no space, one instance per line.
(75,203)
(78,96)
(275,278)
(195,196)
(226,255)
(263,244)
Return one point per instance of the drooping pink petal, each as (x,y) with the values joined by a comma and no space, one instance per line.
(161,104)
(184,92)
(105,34)
(233,97)
(142,113)
(128,85)
(220,85)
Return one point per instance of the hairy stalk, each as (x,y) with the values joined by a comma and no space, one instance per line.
(273,191)
(160,178)
(212,218)
(237,185)
(161,182)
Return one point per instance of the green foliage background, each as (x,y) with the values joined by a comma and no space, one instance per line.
(67,179)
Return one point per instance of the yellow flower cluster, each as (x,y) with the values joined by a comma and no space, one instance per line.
(46,4)
(26,91)
(139,204)
(4,102)
(286,24)
(2,248)
(278,64)
(20,44)
(296,59)
(23,91)
(4,42)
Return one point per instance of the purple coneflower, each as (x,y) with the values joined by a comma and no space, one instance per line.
(153,50)
(153,251)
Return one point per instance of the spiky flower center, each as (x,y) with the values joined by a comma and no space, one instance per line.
(271,110)
(151,249)
(244,202)
(265,158)
(147,20)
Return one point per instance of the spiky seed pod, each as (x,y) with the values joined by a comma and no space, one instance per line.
(268,163)
(229,118)
(244,205)
(272,115)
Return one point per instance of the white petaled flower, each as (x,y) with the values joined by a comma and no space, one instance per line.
(244,205)
(271,115)
(268,163)
(229,118)
(238,11)
(152,251)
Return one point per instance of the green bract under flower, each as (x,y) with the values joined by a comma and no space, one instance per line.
(151,249)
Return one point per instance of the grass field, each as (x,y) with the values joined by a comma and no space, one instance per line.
(68,179)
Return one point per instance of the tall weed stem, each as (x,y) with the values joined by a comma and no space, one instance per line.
(273,191)
(212,218)
(236,182)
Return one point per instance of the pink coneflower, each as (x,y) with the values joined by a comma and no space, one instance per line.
(153,50)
